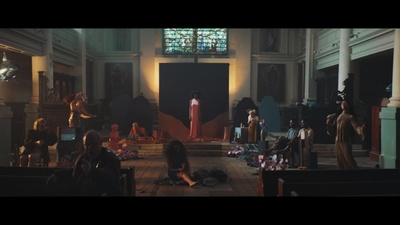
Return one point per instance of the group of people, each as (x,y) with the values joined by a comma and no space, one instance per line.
(121,149)
(297,145)
(37,140)
(96,170)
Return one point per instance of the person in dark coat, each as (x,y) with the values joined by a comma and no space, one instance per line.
(96,171)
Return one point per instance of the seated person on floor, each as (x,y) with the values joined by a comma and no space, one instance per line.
(136,130)
(178,163)
(138,133)
(281,146)
(287,145)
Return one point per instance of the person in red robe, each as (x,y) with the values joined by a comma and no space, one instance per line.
(195,115)
(113,137)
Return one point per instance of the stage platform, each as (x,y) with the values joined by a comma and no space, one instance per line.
(221,148)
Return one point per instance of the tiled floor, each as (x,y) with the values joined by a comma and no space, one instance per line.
(242,179)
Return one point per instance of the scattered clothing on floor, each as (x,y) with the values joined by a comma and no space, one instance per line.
(210,181)
(208,178)
(167,181)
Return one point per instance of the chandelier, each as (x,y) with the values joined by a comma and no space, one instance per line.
(7,69)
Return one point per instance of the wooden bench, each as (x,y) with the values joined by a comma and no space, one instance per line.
(339,188)
(32,181)
(268,180)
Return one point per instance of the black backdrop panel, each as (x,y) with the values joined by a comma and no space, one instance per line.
(178,80)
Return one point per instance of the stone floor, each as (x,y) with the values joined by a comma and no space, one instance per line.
(242,179)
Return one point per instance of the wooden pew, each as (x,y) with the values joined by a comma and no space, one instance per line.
(339,188)
(31,181)
(268,180)
(130,186)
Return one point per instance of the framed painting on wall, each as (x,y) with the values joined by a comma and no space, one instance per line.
(271,81)
(273,40)
(118,79)
(118,40)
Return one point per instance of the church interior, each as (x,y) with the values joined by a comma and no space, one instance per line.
(146,75)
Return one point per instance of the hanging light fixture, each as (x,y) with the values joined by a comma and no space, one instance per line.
(7,69)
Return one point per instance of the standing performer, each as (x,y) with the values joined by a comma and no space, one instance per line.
(195,115)
(342,126)
(306,143)
(253,122)
(78,112)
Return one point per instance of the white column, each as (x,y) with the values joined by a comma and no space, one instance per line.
(344,57)
(40,63)
(395,99)
(82,55)
(43,63)
(48,57)
(308,65)
(309,84)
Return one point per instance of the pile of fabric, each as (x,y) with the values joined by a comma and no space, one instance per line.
(275,163)
(125,153)
(236,151)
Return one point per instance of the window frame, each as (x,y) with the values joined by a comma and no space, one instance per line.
(221,39)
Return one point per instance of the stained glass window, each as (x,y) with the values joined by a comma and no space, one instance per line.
(207,41)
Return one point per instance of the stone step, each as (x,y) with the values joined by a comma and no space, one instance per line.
(217,153)
(328,150)
(222,149)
